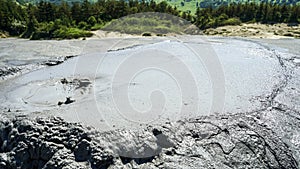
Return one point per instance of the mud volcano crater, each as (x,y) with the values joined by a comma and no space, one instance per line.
(259,127)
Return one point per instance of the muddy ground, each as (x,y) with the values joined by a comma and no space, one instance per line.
(234,103)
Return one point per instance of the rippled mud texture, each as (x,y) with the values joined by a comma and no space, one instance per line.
(251,71)
(240,141)
(258,129)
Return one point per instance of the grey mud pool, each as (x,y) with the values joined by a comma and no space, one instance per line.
(124,83)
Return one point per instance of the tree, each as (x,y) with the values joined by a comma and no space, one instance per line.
(285,10)
(64,11)
(76,12)
(92,20)
(31,27)
(86,10)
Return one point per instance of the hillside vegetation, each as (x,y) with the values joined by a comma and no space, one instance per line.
(189,6)
(151,23)
(192,5)
(47,20)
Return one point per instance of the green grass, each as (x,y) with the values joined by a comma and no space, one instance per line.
(188,6)
(71,33)
(231,21)
(97,26)
(61,33)
(152,23)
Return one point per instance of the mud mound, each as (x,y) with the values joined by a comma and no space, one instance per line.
(208,142)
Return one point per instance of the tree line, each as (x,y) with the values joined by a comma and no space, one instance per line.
(65,20)
(49,19)
(247,12)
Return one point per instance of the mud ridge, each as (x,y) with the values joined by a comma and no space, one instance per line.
(238,141)
(268,101)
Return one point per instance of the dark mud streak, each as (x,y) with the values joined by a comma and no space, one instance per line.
(8,72)
(271,104)
(220,146)
(285,151)
(125,48)
(286,76)
(268,101)
(58,61)
(132,46)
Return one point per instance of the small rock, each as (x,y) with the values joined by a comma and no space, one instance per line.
(82,151)
(69,100)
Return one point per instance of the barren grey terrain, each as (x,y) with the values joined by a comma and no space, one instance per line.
(159,102)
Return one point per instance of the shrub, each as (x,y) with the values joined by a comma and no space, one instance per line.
(92,20)
(82,25)
(38,35)
(71,33)
(232,21)
(97,26)
(146,34)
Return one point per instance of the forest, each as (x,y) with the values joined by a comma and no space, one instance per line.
(46,20)
(234,14)
(183,5)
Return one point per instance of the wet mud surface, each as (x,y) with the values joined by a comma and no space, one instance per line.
(258,126)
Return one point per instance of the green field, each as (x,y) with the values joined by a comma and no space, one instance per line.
(186,6)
